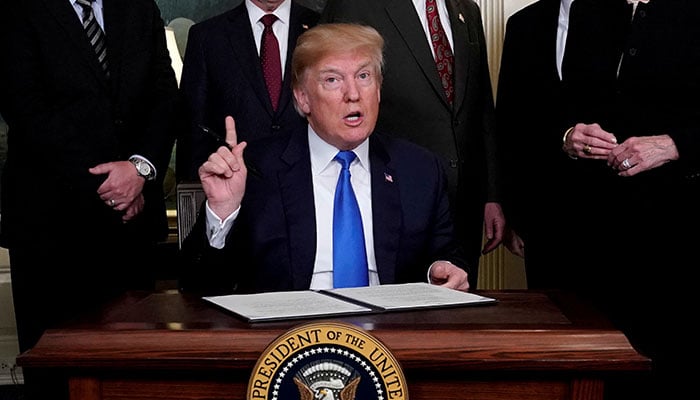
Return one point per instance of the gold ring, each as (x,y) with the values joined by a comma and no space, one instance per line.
(587,149)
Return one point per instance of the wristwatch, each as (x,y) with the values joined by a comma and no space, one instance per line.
(143,168)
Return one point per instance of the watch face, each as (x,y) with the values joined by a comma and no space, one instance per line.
(144,168)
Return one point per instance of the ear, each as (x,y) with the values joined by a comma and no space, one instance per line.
(302,100)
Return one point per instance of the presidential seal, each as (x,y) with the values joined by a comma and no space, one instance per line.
(327,361)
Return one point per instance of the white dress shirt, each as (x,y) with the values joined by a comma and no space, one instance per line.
(280,27)
(324,173)
(96,9)
(562,31)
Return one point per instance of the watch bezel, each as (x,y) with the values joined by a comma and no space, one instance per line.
(142,168)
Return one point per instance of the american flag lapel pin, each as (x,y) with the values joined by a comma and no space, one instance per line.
(461,17)
(388,178)
(304,26)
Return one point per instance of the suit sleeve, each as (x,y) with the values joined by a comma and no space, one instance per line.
(193,89)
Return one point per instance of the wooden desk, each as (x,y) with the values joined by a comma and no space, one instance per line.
(531,345)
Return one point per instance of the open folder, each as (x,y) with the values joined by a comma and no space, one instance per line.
(271,306)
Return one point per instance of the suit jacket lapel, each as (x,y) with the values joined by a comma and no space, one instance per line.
(404,17)
(115,25)
(246,54)
(461,44)
(386,209)
(65,14)
(296,188)
(296,28)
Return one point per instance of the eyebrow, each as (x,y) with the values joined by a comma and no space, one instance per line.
(336,70)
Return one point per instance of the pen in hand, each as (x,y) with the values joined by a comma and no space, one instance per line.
(221,141)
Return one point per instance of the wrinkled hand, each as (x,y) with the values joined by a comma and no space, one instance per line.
(446,274)
(642,154)
(589,141)
(122,186)
(494,226)
(224,174)
(514,243)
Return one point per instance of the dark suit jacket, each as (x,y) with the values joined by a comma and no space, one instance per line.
(272,245)
(65,116)
(414,105)
(222,76)
(530,124)
(653,94)
(645,224)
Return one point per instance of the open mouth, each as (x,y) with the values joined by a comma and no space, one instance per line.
(353,117)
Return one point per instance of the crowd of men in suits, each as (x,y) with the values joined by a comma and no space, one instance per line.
(590,150)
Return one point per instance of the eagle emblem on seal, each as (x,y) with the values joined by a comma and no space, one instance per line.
(327,380)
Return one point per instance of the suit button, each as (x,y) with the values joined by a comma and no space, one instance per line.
(453,163)
(633,51)
(276,127)
(118,122)
(642,13)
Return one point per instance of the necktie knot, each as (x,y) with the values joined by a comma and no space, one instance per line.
(87,3)
(345,158)
(267,19)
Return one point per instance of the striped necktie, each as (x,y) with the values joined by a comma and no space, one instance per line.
(94,33)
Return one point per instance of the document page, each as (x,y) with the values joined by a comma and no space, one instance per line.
(410,296)
(285,305)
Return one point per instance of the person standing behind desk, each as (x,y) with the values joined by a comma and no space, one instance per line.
(222,75)
(89,141)
(274,229)
(530,108)
(636,74)
(415,105)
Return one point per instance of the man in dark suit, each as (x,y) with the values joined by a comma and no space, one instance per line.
(529,112)
(415,106)
(222,75)
(634,77)
(88,147)
(272,231)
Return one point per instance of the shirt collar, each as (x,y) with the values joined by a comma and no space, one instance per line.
(282,12)
(322,153)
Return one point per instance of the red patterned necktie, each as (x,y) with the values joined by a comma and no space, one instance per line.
(270,60)
(444,59)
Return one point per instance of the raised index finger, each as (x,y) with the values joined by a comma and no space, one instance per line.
(231,137)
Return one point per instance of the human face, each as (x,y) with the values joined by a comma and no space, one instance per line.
(340,97)
(267,5)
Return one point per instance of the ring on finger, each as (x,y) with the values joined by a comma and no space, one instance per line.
(111,203)
(587,149)
(626,163)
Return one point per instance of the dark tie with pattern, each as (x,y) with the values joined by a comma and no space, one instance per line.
(349,253)
(270,60)
(94,33)
(444,59)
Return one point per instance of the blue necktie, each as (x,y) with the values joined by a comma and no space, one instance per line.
(349,254)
